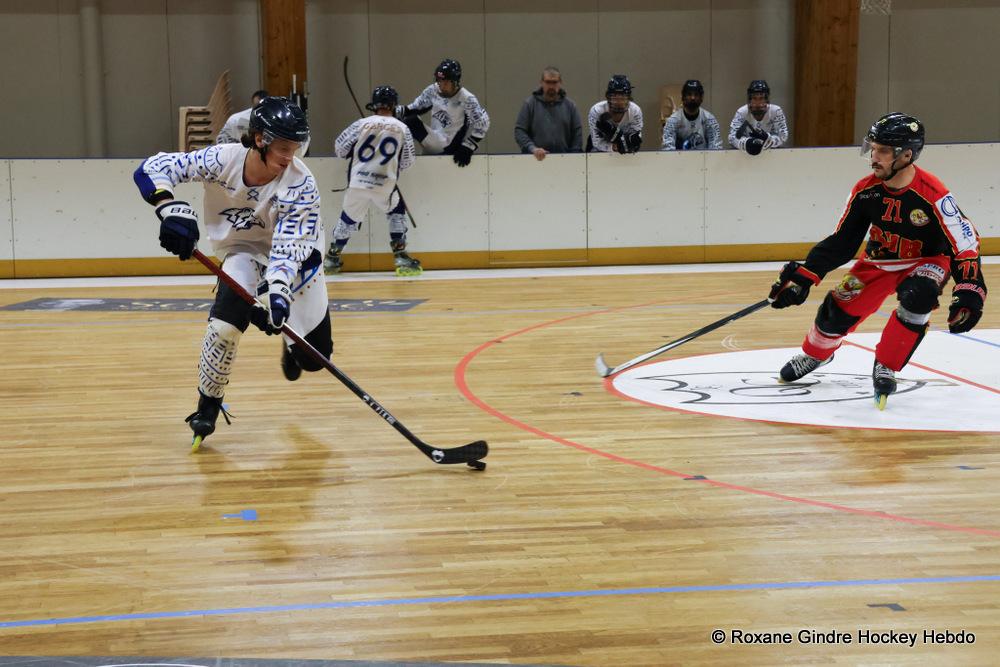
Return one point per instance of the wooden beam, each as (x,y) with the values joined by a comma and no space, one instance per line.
(283,36)
(826,71)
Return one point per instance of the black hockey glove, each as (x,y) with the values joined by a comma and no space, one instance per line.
(966,307)
(753,146)
(462,156)
(792,286)
(178,228)
(628,143)
(605,128)
(402,112)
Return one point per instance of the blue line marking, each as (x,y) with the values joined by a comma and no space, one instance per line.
(541,595)
(246,515)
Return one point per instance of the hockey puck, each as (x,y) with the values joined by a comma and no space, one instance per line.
(477,465)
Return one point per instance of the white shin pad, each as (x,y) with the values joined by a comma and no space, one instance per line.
(218,350)
(397,223)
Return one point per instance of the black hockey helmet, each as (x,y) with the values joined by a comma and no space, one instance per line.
(897,130)
(384,97)
(279,118)
(448,70)
(758,87)
(692,86)
(619,85)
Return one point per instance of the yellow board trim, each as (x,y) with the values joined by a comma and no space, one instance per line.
(464,259)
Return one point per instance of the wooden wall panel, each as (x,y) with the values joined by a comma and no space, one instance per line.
(826,65)
(283,35)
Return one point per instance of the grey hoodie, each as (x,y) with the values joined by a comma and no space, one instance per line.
(554,126)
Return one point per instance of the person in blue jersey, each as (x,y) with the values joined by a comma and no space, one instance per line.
(262,215)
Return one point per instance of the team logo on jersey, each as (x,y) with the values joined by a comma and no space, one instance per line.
(442,117)
(253,194)
(849,288)
(919,218)
(242,218)
(932,271)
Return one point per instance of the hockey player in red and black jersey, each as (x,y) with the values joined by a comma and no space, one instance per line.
(917,237)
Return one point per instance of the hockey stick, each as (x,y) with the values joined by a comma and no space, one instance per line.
(347,80)
(604,370)
(469,454)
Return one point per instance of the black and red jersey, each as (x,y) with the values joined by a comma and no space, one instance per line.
(921,220)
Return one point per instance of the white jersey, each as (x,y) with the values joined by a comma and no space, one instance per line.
(236,126)
(631,122)
(277,223)
(449,115)
(379,148)
(682,133)
(773,123)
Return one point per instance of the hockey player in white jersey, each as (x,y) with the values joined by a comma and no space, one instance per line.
(691,127)
(379,147)
(457,122)
(262,215)
(758,125)
(615,122)
(238,124)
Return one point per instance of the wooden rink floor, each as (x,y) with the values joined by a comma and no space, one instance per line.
(603,532)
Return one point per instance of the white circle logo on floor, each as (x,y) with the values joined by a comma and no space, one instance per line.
(952,383)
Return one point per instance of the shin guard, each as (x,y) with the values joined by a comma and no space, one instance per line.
(218,350)
(820,345)
(898,342)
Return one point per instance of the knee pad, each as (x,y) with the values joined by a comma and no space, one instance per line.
(918,296)
(399,207)
(218,350)
(230,308)
(832,320)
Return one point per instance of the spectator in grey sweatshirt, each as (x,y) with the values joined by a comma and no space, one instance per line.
(549,122)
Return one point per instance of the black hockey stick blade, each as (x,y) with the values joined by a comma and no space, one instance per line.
(606,371)
(471,454)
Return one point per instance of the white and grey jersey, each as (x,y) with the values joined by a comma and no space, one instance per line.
(451,114)
(379,148)
(278,223)
(682,133)
(773,123)
(236,126)
(630,122)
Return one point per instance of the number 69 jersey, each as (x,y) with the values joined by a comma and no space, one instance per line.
(379,147)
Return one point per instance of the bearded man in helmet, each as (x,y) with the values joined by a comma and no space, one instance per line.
(691,127)
(917,237)
(262,215)
(458,122)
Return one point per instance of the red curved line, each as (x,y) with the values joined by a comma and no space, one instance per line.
(463,387)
